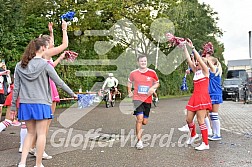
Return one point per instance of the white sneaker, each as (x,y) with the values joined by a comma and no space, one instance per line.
(184,128)
(203,146)
(32,151)
(44,156)
(20,149)
(139,145)
(40,165)
(21,165)
(192,139)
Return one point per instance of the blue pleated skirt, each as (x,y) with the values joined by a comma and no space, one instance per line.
(30,111)
(216,99)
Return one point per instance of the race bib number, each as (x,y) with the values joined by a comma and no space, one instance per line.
(143,89)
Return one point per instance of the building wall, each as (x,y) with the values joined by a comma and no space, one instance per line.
(245,64)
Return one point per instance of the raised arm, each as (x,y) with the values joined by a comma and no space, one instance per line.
(50,28)
(198,58)
(189,60)
(56,50)
(211,65)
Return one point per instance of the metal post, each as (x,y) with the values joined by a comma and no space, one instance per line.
(250,77)
(156,65)
(250,44)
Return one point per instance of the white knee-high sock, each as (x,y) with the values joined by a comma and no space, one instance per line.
(209,129)
(5,124)
(23,132)
(216,123)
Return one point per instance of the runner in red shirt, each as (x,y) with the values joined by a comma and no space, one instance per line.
(145,82)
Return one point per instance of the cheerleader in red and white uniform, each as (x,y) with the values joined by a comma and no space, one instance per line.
(200,100)
(8,117)
(7,103)
(23,130)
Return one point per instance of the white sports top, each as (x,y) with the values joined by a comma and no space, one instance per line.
(198,75)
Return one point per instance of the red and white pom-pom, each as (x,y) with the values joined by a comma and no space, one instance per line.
(70,55)
(207,49)
(169,36)
(175,41)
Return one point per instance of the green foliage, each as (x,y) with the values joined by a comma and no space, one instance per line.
(21,21)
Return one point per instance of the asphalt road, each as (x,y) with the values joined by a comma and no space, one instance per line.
(105,137)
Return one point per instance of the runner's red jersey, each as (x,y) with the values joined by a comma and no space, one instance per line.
(143,81)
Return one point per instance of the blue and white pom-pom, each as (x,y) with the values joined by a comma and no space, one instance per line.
(184,86)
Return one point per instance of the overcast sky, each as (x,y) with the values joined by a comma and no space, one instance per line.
(235,19)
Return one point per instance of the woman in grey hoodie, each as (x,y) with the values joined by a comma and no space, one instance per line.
(31,84)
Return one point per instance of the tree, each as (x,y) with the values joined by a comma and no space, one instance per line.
(26,20)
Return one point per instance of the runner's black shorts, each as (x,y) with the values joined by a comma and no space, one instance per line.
(141,108)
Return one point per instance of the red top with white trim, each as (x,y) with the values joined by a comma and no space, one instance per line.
(200,99)
(143,81)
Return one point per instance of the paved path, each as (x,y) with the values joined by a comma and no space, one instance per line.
(104,137)
(236,117)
